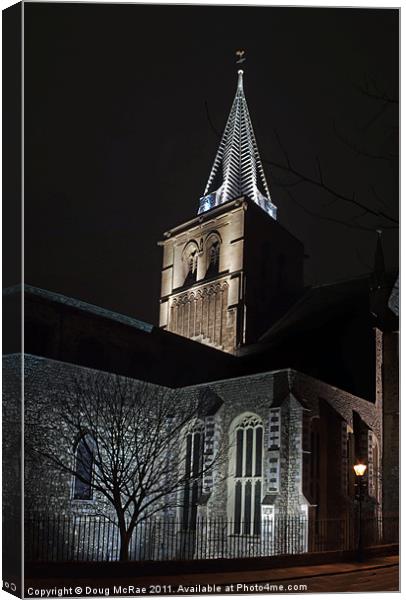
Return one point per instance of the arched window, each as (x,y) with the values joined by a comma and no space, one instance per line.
(194,445)
(212,254)
(189,258)
(247,475)
(84,455)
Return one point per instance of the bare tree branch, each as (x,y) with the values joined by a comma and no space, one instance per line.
(303,178)
(134,433)
(321,185)
(348,224)
(370,89)
(362,151)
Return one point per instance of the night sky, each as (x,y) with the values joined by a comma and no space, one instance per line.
(122,106)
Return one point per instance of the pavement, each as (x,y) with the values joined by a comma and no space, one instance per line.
(375,574)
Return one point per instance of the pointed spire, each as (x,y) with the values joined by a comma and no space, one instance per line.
(237,161)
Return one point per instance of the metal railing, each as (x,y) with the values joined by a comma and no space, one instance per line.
(89,538)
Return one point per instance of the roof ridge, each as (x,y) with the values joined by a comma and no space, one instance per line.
(343,280)
(79,304)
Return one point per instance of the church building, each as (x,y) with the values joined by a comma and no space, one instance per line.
(302,381)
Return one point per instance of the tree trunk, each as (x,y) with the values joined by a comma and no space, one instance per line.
(124,534)
(124,542)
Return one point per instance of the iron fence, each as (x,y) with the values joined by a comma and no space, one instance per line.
(89,538)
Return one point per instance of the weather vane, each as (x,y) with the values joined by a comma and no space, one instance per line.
(239,57)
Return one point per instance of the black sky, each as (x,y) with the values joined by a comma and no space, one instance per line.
(118,144)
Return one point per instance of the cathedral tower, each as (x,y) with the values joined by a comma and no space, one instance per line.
(231,271)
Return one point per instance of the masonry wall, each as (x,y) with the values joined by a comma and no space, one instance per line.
(357,418)
(12,462)
(273,269)
(286,402)
(390,401)
(55,522)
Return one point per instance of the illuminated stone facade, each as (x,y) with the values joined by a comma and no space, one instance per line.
(298,465)
(201,294)
(227,274)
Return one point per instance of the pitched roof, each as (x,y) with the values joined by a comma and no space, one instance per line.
(80,305)
(322,301)
(320,304)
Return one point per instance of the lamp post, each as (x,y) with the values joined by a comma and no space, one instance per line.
(359,470)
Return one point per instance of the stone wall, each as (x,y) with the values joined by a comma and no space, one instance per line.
(286,403)
(204,315)
(390,401)
(12,462)
(197,301)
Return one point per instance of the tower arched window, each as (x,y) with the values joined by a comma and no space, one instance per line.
(194,445)
(247,468)
(212,255)
(190,257)
(84,459)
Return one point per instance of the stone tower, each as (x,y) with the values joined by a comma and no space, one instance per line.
(232,270)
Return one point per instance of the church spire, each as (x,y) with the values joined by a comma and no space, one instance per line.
(237,165)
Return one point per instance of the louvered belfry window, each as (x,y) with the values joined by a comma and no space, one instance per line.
(248,476)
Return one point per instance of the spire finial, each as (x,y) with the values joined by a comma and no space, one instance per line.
(240,74)
(239,59)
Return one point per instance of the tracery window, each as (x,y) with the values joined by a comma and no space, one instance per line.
(194,445)
(247,471)
(84,458)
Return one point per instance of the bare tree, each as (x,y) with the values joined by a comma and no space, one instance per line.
(131,436)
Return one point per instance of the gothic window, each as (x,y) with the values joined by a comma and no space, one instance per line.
(194,445)
(247,480)
(82,488)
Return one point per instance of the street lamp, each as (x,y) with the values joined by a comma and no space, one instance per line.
(359,470)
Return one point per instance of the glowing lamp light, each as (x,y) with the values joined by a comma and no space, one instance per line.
(360,469)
